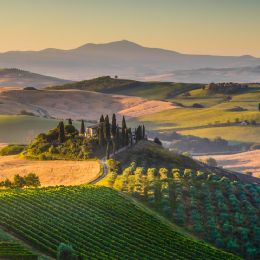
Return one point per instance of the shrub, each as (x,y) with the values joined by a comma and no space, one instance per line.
(197,105)
(211,162)
(12,149)
(157,141)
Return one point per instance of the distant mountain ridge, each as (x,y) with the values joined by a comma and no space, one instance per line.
(123,58)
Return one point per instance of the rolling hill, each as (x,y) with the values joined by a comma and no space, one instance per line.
(123,58)
(21,78)
(75,104)
(98,222)
(150,90)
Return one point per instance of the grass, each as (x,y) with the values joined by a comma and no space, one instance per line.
(149,90)
(98,222)
(22,129)
(188,117)
(231,133)
(201,122)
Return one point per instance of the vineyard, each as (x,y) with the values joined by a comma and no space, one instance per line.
(14,251)
(222,212)
(98,222)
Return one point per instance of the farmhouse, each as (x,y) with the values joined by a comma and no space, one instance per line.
(91,131)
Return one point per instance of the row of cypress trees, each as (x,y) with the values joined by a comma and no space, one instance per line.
(117,136)
(110,133)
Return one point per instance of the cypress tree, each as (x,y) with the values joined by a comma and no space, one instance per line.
(113,132)
(124,128)
(126,137)
(107,129)
(101,139)
(69,121)
(113,126)
(107,135)
(118,137)
(143,132)
(82,127)
(101,132)
(101,120)
(61,132)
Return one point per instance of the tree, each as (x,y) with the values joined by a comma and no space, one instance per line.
(143,132)
(61,137)
(65,252)
(157,141)
(32,180)
(107,135)
(113,126)
(19,181)
(101,134)
(82,127)
(124,128)
(114,133)
(6,183)
(69,121)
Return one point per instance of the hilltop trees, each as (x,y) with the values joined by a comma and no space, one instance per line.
(66,142)
(124,129)
(101,134)
(107,135)
(30,180)
(82,127)
(114,132)
(61,137)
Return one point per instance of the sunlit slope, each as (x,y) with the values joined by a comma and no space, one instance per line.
(206,122)
(98,222)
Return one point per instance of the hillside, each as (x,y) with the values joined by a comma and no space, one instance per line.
(22,129)
(123,58)
(148,154)
(22,78)
(98,222)
(242,162)
(150,90)
(220,210)
(75,104)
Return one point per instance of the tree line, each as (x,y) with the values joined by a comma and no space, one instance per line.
(30,180)
(109,134)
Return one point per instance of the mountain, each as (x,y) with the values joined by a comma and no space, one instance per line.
(123,58)
(17,77)
(206,75)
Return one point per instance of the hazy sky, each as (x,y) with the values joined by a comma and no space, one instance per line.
(227,27)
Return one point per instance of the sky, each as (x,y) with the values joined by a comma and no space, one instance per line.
(221,27)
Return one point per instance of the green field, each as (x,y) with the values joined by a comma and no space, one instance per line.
(98,222)
(201,121)
(231,133)
(22,129)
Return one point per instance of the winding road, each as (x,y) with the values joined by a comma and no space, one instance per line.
(105,166)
